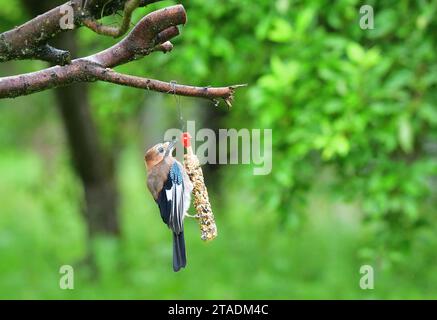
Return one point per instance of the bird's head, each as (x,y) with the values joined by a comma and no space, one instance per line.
(158,152)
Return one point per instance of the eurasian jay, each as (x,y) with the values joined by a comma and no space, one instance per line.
(171,188)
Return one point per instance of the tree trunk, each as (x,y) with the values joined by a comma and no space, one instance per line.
(92,164)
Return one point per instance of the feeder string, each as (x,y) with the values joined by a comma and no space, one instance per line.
(178,105)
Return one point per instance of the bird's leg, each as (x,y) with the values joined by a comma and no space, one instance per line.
(190,216)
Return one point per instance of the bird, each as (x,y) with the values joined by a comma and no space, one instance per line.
(171,188)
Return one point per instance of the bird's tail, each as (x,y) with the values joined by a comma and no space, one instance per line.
(179,258)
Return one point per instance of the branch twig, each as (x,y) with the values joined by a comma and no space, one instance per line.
(225,93)
(115,32)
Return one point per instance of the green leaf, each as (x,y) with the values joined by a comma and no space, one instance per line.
(355,52)
(281,31)
(405,134)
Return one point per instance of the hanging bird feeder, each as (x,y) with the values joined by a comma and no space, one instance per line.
(204,216)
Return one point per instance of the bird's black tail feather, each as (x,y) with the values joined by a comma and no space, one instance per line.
(179,258)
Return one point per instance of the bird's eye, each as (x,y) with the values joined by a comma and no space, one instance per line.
(160,149)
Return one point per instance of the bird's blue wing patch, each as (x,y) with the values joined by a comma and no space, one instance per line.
(175,174)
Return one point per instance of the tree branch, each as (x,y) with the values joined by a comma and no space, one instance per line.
(153,30)
(225,93)
(115,32)
(152,33)
(27,40)
(50,54)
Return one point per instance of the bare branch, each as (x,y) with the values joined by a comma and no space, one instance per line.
(50,54)
(152,33)
(115,32)
(87,71)
(27,40)
(225,93)
(154,29)
(20,42)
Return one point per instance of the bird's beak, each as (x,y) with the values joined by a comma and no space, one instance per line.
(170,146)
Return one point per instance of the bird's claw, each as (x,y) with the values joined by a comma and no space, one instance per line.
(196,216)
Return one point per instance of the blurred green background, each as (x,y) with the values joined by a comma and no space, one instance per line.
(354,119)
